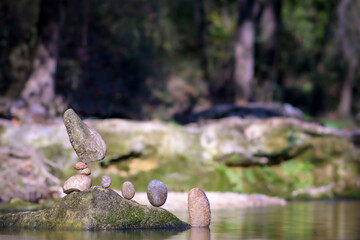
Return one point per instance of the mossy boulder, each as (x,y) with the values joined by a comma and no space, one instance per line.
(96,208)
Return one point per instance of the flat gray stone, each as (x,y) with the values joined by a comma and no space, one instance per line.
(87,143)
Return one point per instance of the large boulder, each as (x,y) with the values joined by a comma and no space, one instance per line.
(96,208)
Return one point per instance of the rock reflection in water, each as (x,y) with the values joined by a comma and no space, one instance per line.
(199,233)
(88,235)
(297,220)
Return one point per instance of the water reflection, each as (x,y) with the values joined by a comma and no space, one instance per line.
(199,234)
(88,235)
(301,220)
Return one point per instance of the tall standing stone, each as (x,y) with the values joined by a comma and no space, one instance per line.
(199,208)
(87,143)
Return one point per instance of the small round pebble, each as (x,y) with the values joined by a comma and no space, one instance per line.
(85,171)
(77,183)
(80,166)
(198,208)
(128,190)
(106,181)
(156,193)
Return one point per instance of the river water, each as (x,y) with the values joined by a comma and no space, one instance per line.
(297,220)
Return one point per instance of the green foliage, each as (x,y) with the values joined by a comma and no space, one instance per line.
(180,174)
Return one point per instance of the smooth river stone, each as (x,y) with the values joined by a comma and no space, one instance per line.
(199,208)
(85,171)
(106,181)
(156,193)
(77,183)
(128,190)
(80,166)
(87,143)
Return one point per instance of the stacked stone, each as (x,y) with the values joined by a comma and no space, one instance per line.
(88,145)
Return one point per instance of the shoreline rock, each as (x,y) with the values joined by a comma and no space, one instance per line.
(95,209)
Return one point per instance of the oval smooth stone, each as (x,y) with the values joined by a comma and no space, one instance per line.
(198,208)
(106,181)
(87,143)
(77,183)
(156,193)
(85,171)
(128,190)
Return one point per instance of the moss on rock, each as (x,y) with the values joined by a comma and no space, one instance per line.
(97,208)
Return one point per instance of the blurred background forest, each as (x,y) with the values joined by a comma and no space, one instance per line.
(153,59)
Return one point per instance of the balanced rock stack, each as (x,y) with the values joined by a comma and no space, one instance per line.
(88,145)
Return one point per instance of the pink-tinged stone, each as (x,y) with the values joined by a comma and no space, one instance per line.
(106,181)
(85,171)
(80,166)
(197,233)
(199,208)
(77,183)
(128,190)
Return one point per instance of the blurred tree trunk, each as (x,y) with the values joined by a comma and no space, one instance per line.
(200,20)
(349,37)
(244,50)
(270,26)
(346,91)
(39,90)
